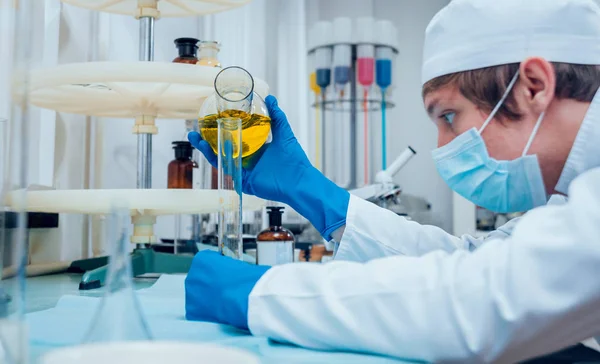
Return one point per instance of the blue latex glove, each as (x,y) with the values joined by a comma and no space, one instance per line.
(217,289)
(283,173)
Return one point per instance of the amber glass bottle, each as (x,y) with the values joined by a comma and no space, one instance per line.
(275,245)
(188,49)
(181,169)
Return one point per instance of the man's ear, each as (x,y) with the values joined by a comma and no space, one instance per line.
(537,84)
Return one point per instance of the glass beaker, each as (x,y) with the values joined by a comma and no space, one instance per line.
(235,98)
(229,147)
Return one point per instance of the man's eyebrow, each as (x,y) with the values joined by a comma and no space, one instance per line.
(432,106)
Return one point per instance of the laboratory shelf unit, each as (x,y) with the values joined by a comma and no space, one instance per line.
(152,202)
(127,89)
(141,91)
(164,8)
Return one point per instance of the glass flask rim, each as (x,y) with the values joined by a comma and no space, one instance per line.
(250,92)
(209,44)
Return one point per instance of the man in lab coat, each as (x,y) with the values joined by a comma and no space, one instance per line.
(512,88)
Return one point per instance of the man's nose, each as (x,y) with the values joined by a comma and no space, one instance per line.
(444,138)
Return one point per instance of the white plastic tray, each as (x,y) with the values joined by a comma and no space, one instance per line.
(167,8)
(140,202)
(127,89)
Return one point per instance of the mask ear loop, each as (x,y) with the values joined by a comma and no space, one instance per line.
(499,104)
(533,133)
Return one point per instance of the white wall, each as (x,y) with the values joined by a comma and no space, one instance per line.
(408,123)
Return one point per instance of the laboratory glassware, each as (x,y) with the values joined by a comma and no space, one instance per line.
(342,53)
(229,157)
(119,316)
(385,32)
(235,99)
(365,52)
(180,175)
(320,37)
(342,72)
(187,48)
(14,341)
(208,53)
(323,56)
(275,245)
(317,91)
(351,159)
(180,169)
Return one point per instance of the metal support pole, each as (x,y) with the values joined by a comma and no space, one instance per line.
(353,97)
(144,142)
(144,156)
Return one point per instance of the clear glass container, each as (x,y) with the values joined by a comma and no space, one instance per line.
(119,316)
(229,157)
(208,54)
(235,98)
(19,22)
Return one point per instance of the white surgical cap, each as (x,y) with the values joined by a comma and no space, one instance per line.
(473,34)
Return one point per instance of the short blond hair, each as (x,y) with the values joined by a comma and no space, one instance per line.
(485,87)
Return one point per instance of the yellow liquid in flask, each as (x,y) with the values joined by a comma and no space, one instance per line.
(255,131)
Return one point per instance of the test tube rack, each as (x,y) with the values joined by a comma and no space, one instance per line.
(350,104)
(142,91)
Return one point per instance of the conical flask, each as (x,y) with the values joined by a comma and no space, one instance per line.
(119,316)
(234,98)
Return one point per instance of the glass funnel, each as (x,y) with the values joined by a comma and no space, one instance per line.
(119,316)
(234,98)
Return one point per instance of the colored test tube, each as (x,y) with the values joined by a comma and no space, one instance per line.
(366,65)
(320,37)
(365,52)
(342,52)
(387,39)
(384,61)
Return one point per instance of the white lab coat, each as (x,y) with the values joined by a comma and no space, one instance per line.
(411,291)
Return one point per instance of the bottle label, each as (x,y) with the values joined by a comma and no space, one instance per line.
(274,252)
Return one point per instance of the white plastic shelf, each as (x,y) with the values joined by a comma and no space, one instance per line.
(151,202)
(166,8)
(127,89)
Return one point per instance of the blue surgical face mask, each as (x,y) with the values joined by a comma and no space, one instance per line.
(499,186)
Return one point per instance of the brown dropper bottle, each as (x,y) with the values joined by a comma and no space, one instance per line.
(181,169)
(188,49)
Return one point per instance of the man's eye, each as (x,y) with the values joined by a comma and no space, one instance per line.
(449,117)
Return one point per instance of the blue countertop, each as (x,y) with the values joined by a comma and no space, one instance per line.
(60,315)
